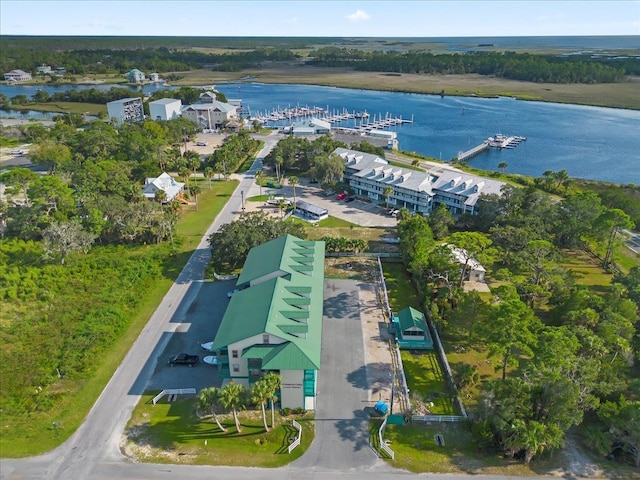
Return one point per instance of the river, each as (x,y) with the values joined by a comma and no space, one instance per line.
(589,142)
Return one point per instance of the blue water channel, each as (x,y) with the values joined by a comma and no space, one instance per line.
(589,142)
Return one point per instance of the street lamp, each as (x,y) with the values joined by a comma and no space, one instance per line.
(242,196)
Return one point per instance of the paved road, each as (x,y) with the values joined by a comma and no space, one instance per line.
(93,453)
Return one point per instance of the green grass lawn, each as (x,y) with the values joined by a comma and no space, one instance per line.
(425,377)
(64,107)
(399,287)
(173,433)
(416,450)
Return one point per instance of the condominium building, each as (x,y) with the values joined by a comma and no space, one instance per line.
(371,176)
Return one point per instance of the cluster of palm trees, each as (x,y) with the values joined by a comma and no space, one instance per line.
(234,397)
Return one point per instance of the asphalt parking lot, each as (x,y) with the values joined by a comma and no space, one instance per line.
(357,212)
(198,322)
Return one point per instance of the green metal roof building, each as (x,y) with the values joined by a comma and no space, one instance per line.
(274,321)
(411,330)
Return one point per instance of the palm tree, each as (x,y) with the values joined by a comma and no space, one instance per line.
(161,196)
(195,190)
(387,192)
(273,380)
(209,173)
(503,166)
(279,162)
(232,396)
(260,179)
(282,203)
(260,394)
(209,400)
(293,181)
(185,173)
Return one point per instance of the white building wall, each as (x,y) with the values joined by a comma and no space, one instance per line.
(291,389)
(166,111)
(242,363)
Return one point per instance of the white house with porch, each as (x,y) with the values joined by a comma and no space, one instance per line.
(164,182)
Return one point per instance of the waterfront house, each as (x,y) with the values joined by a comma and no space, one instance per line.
(135,76)
(273,322)
(17,76)
(210,113)
(44,69)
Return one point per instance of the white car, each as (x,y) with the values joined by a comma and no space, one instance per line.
(231,292)
(207,346)
(202,144)
(16,152)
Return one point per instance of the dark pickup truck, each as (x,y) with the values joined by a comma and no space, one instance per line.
(183,359)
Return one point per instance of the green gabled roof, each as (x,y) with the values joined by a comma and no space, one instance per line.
(287,354)
(410,317)
(258,351)
(283,306)
(247,314)
(285,254)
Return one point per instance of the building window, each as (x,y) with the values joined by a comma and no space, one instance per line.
(236,367)
(265,339)
(234,353)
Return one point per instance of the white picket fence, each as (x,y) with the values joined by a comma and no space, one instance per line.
(383,446)
(296,442)
(174,391)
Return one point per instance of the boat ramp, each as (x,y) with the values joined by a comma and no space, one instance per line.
(497,141)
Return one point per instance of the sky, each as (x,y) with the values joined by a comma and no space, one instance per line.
(309,18)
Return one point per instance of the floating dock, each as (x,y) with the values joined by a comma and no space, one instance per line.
(498,141)
(364,121)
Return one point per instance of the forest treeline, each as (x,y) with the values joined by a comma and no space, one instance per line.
(511,65)
(564,352)
(87,58)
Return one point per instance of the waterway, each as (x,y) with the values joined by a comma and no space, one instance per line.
(589,142)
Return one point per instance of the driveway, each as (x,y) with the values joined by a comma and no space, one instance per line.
(342,439)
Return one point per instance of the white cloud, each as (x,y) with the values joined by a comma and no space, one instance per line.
(358,16)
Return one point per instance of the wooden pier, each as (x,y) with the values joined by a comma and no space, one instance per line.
(462,156)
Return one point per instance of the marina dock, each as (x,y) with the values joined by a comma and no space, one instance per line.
(498,141)
(363,121)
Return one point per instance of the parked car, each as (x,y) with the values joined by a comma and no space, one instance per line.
(230,293)
(341,196)
(350,199)
(183,359)
(16,152)
(202,144)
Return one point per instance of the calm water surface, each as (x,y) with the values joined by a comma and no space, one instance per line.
(589,142)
